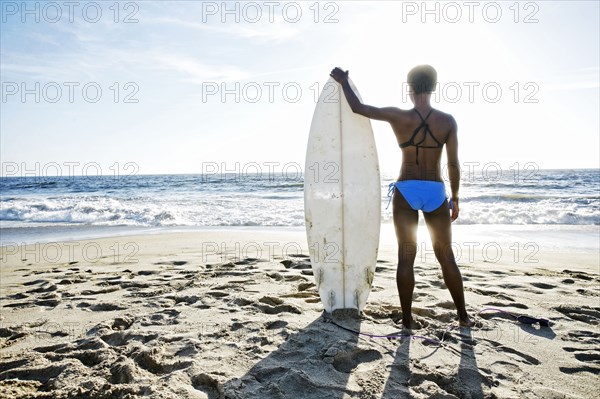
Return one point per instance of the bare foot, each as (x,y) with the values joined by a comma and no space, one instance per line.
(466,322)
(412,324)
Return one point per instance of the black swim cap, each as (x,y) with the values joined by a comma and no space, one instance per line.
(422,79)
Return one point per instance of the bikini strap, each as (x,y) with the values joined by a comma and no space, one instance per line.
(417,130)
(420,116)
(425,125)
(390,193)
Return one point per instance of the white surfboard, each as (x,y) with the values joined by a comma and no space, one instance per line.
(342,201)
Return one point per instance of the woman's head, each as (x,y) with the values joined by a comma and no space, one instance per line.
(422,79)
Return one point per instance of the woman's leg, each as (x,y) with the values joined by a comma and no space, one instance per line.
(405,223)
(439,225)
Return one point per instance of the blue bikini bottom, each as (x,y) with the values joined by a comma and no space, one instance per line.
(425,195)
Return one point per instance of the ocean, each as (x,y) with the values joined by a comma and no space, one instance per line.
(32,207)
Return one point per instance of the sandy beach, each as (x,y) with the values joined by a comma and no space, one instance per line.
(166,169)
(235,314)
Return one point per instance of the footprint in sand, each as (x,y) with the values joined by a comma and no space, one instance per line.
(474,276)
(578,275)
(591,357)
(418,296)
(123,322)
(132,285)
(124,371)
(504,304)
(227,270)
(147,272)
(153,362)
(72,280)
(244,282)
(163,318)
(346,361)
(100,291)
(275,276)
(520,356)
(18,295)
(10,335)
(587,369)
(495,294)
(446,305)
(188,349)
(106,307)
(247,261)
(51,300)
(241,302)
(299,256)
(207,384)
(46,287)
(292,264)
(18,305)
(269,300)
(173,263)
(125,338)
(383,312)
(303,294)
(510,286)
(587,337)
(218,294)
(305,286)
(187,299)
(543,286)
(273,305)
(294,277)
(571,349)
(585,314)
(505,370)
(431,383)
(313,300)
(13,364)
(587,353)
(42,374)
(276,325)
(89,358)
(593,292)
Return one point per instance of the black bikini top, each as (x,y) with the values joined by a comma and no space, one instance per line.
(418,145)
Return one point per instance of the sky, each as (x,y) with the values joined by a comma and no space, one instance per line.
(152,87)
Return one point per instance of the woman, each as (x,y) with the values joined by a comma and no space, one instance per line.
(421,133)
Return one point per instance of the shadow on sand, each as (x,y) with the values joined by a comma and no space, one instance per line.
(315,362)
(319,362)
(466,383)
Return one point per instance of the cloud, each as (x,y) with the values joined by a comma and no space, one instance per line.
(276,31)
(46,39)
(196,71)
(579,79)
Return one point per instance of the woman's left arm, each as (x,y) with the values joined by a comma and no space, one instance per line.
(382,114)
